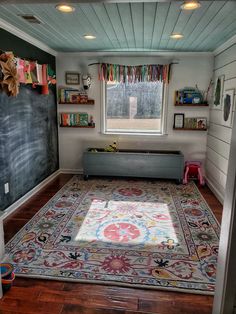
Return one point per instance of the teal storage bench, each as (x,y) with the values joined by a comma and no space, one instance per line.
(134,163)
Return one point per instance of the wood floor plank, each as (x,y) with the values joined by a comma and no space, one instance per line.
(90,300)
(57,297)
(75,309)
(29,307)
(40,283)
(175,306)
(22,293)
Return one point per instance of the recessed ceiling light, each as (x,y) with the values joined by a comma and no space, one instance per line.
(176,36)
(66,8)
(89,36)
(190,5)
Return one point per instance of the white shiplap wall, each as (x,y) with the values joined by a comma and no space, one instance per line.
(219,136)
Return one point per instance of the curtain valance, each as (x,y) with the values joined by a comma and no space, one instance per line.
(132,74)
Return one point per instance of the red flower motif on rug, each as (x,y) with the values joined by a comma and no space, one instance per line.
(116,264)
(130,192)
(24,256)
(121,232)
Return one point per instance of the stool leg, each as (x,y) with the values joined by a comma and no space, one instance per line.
(200,176)
(185,181)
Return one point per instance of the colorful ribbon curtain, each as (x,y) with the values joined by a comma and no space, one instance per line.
(133,74)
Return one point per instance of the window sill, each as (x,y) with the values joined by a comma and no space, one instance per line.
(134,134)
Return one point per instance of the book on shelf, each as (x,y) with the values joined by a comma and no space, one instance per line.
(74,119)
(195,123)
(188,96)
(72,96)
(83,119)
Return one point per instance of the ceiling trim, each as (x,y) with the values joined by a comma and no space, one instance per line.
(157,53)
(15,31)
(74,1)
(225,45)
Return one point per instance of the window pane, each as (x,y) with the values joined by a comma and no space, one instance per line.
(135,107)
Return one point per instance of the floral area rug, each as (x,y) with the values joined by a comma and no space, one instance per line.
(151,234)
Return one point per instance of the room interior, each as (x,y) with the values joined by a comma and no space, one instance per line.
(43,160)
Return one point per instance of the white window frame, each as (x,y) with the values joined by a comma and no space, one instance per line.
(163,131)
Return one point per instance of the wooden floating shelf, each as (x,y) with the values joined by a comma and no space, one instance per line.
(78,126)
(188,129)
(89,102)
(191,105)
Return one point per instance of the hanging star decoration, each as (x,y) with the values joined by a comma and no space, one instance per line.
(8,75)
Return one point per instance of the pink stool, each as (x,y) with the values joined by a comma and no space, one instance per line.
(193,170)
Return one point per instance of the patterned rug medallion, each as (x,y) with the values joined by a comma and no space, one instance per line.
(125,232)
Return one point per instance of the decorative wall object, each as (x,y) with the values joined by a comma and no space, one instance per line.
(72,78)
(86,81)
(218,92)
(228,103)
(15,70)
(9,78)
(132,74)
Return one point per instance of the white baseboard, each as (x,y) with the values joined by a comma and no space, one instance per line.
(71,171)
(24,198)
(216,192)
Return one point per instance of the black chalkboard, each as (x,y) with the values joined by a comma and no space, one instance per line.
(28,129)
(28,142)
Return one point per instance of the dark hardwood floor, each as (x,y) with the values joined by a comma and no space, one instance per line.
(54,297)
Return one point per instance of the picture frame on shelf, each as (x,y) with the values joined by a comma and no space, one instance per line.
(201,123)
(190,123)
(227,110)
(178,121)
(72,78)
(218,92)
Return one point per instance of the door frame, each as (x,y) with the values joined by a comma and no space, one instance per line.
(225,290)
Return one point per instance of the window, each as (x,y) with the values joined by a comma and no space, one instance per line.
(135,108)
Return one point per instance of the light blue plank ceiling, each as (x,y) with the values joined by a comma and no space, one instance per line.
(126,26)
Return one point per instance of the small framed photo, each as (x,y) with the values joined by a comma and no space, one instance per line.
(218,92)
(201,123)
(178,120)
(72,78)
(228,103)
